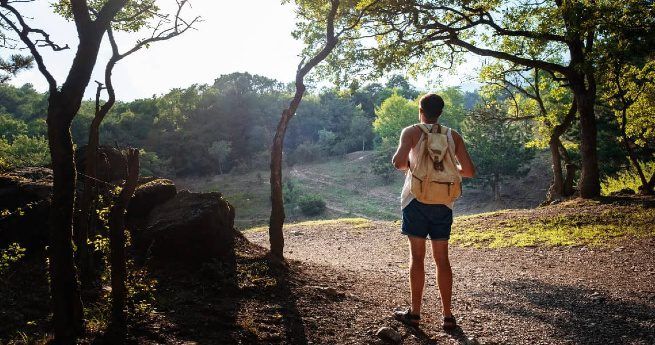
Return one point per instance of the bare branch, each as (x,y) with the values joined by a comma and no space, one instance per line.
(22,29)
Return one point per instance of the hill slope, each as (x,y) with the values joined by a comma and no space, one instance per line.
(350,188)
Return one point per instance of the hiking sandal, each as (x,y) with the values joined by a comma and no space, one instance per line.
(407,317)
(449,323)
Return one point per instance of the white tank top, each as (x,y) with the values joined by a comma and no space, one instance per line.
(406,195)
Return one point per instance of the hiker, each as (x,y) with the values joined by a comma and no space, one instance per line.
(435,160)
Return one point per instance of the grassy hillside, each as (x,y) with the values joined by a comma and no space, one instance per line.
(351,189)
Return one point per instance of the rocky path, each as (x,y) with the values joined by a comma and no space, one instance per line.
(565,295)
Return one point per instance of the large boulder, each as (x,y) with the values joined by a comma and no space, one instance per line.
(149,195)
(191,227)
(25,196)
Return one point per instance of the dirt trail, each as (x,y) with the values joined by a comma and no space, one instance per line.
(566,295)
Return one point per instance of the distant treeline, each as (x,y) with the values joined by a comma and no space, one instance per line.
(208,129)
(228,127)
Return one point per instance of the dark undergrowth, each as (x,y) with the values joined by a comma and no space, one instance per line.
(248,298)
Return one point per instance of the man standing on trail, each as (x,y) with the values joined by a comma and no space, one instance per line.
(430,154)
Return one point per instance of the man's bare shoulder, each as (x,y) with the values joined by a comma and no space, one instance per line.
(410,130)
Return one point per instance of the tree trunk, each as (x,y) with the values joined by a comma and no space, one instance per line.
(495,186)
(84,206)
(66,301)
(570,170)
(117,239)
(560,188)
(276,222)
(589,183)
(556,189)
(63,105)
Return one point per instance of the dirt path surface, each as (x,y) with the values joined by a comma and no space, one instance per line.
(564,295)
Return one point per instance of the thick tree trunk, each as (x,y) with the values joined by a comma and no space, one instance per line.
(62,108)
(117,239)
(65,292)
(589,183)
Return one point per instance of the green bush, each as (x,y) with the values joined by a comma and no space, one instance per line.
(291,193)
(9,256)
(152,165)
(626,179)
(311,205)
(24,151)
(382,165)
(307,152)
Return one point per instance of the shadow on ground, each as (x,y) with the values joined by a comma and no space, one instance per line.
(577,314)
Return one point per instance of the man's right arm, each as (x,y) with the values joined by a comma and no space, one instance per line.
(400,159)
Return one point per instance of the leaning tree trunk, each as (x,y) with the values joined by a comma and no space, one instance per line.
(560,186)
(277,200)
(276,236)
(66,301)
(117,239)
(84,205)
(556,189)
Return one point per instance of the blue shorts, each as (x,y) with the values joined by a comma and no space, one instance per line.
(427,221)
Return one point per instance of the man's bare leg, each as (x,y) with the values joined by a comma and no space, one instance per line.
(444,275)
(416,272)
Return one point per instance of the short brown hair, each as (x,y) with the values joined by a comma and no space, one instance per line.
(432,105)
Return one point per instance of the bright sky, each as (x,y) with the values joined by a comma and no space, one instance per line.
(235,36)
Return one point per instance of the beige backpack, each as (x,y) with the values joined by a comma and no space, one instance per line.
(435,177)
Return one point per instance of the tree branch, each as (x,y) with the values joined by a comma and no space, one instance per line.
(23,33)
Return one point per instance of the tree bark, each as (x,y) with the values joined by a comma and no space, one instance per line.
(495,186)
(117,239)
(570,170)
(66,300)
(560,186)
(585,96)
(556,189)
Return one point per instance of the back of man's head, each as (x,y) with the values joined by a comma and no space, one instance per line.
(431,105)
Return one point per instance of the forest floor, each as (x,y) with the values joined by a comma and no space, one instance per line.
(579,272)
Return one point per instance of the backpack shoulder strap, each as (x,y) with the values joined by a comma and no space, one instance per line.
(423,128)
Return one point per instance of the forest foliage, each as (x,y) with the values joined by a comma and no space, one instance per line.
(228,126)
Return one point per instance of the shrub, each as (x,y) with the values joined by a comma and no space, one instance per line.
(307,152)
(382,162)
(311,205)
(290,192)
(626,179)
